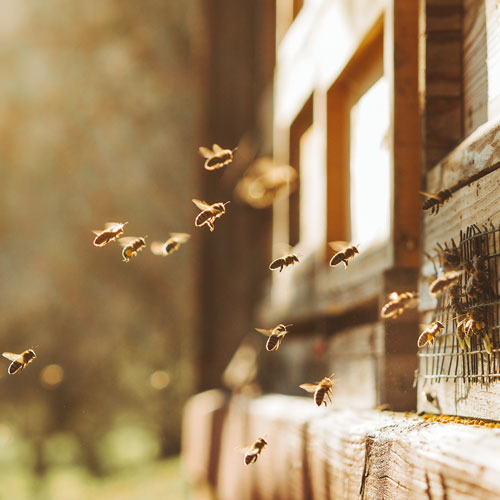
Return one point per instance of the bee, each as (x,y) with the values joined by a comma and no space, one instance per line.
(275,336)
(428,336)
(216,158)
(471,323)
(321,389)
(436,200)
(398,302)
(344,252)
(112,231)
(19,361)
(285,261)
(448,279)
(253,451)
(478,284)
(173,244)
(450,256)
(209,213)
(132,245)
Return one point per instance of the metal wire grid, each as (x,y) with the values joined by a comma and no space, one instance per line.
(446,360)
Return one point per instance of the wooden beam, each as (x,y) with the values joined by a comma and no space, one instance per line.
(344,454)
(401,62)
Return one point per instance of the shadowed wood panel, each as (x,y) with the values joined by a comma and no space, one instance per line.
(475,71)
(440,78)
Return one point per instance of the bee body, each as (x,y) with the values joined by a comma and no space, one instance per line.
(217,157)
(447,280)
(170,246)
(253,451)
(275,336)
(131,246)
(398,302)
(209,213)
(322,390)
(19,361)
(436,200)
(343,255)
(112,231)
(428,336)
(285,261)
(273,342)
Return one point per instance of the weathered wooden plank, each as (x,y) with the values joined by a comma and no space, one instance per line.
(401,68)
(460,397)
(440,80)
(493,59)
(202,424)
(344,454)
(475,156)
(475,71)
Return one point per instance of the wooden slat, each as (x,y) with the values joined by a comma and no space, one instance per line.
(402,71)
(344,454)
(440,78)
(475,71)
(493,59)
(475,156)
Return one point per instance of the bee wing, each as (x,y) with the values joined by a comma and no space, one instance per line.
(309,387)
(422,339)
(264,331)
(180,237)
(111,224)
(157,247)
(430,195)
(202,205)
(10,356)
(216,148)
(205,152)
(126,240)
(97,231)
(338,245)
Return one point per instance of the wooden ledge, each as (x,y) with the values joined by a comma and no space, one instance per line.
(475,157)
(342,454)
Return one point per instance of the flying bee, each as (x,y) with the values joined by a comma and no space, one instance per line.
(428,336)
(285,261)
(321,389)
(448,279)
(209,213)
(275,336)
(112,231)
(19,361)
(216,157)
(132,245)
(435,200)
(398,302)
(173,244)
(253,451)
(344,252)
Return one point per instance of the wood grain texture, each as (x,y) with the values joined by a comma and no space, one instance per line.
(475,70)
(440,80)
(475,156)
(344,454)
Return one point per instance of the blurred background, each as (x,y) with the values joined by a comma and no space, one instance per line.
(99,121)
(103,105)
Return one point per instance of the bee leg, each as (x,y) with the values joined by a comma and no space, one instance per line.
(346,263)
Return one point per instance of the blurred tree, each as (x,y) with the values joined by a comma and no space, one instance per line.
(96,125)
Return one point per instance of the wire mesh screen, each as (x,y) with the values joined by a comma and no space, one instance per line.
(469,345)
